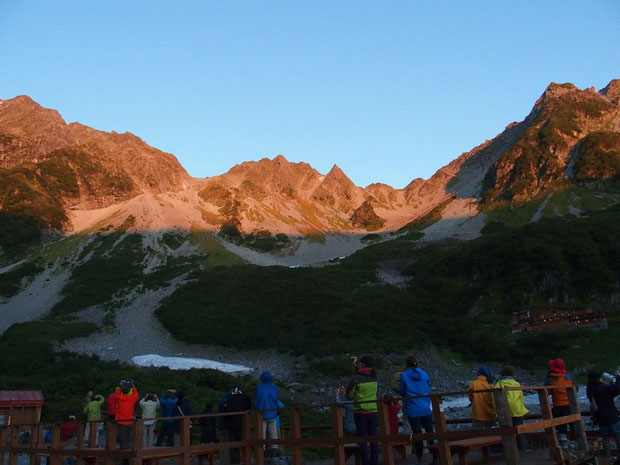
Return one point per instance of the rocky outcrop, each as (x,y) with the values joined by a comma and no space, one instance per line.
(365,217)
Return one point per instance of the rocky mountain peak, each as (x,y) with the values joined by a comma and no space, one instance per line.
(612,90)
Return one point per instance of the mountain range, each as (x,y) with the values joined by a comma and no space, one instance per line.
(69,178)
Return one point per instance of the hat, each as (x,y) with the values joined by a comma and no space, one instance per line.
(557,365)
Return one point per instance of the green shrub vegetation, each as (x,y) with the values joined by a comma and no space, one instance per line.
(29,362)
(461,295)
(11,281)
(599,157)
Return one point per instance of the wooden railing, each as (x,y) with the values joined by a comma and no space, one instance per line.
(29,439)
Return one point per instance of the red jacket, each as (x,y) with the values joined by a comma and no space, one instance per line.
(393,409)
(124,404)
(111,401)
(67,429)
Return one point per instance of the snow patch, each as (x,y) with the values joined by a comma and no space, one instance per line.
(183,363)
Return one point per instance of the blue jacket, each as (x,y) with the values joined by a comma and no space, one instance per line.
(168,404)
(266,396)
(415,382)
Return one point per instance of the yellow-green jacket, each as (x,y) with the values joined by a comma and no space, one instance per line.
(516,401)
(93,408)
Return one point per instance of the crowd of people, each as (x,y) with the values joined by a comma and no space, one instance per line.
(121,408)
(359,406)
(414,384)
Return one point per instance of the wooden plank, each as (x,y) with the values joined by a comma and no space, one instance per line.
(338,433)
(580,429)
(544,424)
(555,451)
(259,452)
(384,432)
(445,457)
(185,440)
(110,442)
(504,418)
(246,436)
(296,437)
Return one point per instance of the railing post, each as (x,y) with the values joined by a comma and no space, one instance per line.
(296,436)
(580,430)
(34,443)
(93,433)
(338,432)
(137,441)
(55,445)
(246,433)
(3,443)
(14,442)
(79,445)
(110,443)
(504,418)
(384,432)
(445,456)
(259,452)
(185,440)
(555,451)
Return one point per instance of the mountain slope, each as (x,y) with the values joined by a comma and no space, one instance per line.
(71,178)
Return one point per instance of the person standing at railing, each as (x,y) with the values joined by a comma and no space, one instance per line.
(183,409)
(92,409)
(149,405)
(347,410)
(167,402)
(516,401)
(125,401)
(415,382)
(363,388)
(558,377)
(482,405)
(266,399)
(601,396)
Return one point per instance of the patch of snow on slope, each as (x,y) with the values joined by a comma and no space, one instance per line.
(184,363)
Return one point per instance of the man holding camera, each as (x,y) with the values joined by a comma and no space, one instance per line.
(149,405)
(125,401)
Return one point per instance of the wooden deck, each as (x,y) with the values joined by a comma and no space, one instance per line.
(29,439)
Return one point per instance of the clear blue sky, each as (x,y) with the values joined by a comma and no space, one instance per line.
(389,91)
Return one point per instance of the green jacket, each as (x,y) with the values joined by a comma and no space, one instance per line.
(93,408)
(516,402)
(363,387)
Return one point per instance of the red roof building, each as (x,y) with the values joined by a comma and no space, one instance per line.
(20,407)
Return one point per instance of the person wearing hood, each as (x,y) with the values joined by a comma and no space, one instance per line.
(415,382)
(266,399)
(125,401)
(362,389)
(601,396)
(482,405)
(516,401)
(167,402)
(560,379)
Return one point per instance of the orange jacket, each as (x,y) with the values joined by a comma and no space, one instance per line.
(482,405)
(124,406)
(559,396)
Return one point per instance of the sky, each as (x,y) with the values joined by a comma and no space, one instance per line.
(388,91)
